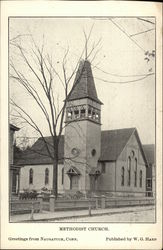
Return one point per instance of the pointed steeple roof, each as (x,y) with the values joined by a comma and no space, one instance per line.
(84,86)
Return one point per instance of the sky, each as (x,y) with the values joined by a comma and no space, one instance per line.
(124,79)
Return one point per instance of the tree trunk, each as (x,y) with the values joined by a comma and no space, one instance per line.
(55,178)
(55,169)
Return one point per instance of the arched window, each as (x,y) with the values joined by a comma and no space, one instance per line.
(129,171)
(93,152)
(31,176)
(97,116)
(82,112)
(122,176)
(62,176)
(140,178)
(46,176)
(69,113)
(135,173)
(76,112)
(89,112)
(93,114)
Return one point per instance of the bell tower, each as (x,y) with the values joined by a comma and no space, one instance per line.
(82,145)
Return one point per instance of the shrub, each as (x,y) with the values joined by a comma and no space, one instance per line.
(72,196)
(28,194)
(79,195)
(45,189)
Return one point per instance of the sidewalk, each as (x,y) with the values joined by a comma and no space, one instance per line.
(60,215)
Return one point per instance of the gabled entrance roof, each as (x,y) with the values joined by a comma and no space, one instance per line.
(95,171)
(73,171)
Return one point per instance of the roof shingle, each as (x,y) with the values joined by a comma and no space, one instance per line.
(149,151)
(113,142)
(84,86)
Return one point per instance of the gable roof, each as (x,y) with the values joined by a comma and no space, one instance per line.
(112,144)
(149,150)
(38,153)
(84,86)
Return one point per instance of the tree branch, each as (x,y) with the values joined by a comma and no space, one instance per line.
(31,123)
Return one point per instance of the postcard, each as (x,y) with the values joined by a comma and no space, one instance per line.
(81,125)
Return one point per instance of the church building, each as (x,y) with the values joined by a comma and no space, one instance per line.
(14,170)
(91,160)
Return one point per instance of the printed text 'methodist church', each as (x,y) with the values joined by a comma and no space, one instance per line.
(91,160)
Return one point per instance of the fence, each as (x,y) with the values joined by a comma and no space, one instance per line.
(121,194)
(61,204)
(127,202)
(96,202)
(18,207)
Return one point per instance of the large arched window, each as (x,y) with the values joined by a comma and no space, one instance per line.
(46,176)
(129,171)
(122,176)
(135,173)
(140,178)
(62,176)
(31,176)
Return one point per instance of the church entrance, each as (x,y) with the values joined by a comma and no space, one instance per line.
(92,183)
(94,174)
(14,181)
(74,174)
(74,182)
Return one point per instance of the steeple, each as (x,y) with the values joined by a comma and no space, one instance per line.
(84,86)
(83,130)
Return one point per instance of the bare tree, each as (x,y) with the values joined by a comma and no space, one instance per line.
(40,65)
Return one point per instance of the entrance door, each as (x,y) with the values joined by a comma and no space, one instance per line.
(14,182)
(74,182)
(92,183)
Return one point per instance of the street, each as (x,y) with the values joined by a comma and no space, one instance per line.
(144,215)
(121,214)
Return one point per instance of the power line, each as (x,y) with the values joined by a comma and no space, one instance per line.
(122,75)
(138,75)
(119,82)
(145,20)
(121,29)
(141,32)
